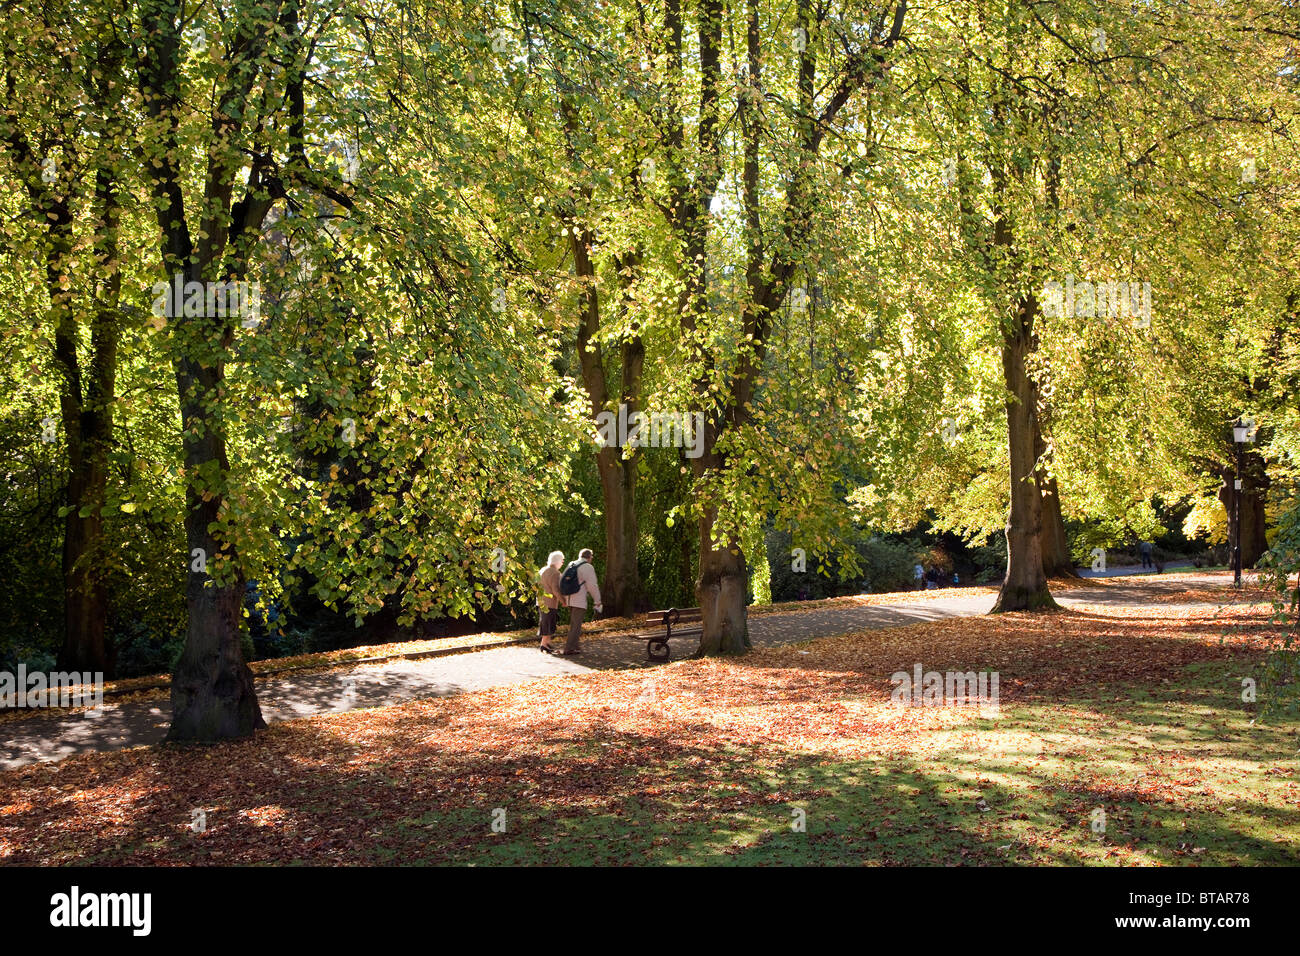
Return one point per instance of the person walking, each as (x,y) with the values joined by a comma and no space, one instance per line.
(548,600)
(1145,547)
(577,584)
(919,573)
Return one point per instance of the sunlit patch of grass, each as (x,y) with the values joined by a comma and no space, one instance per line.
(778,758)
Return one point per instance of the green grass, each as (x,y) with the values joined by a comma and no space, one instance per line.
(1181,778)
(1098,716)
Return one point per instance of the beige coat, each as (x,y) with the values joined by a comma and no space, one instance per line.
(550,588)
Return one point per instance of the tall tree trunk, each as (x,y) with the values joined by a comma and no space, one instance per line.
(1227,497)
(86,410)
(84,596)
(1052,540)
(1053,543)
(89,429)
(212,687)
(621,589)
(722,588)
(1057,561)
(1254,541)
(723,585)
(1025,585)
(86,393)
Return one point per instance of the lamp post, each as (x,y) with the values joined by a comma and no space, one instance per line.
(1240,435)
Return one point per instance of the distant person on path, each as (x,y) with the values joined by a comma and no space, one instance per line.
(1145,548)
(549,599)
(576,584)
(919,573)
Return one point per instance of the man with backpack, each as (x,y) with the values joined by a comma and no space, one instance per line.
(577,583)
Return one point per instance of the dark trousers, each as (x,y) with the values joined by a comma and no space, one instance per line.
(576,616)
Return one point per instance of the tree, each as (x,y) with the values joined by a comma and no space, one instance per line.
(774,251)
(73,174)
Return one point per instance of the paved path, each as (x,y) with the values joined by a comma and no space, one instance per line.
(55,736)
(1132,569)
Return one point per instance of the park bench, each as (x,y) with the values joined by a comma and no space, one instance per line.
(663,625)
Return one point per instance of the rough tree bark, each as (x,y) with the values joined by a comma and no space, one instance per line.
(86,392)
(1025,585)
(723,584)
(88,428)
(212,688)
(1254,521)
(1054,545)
(1254,541)
(1057,561)
(621,588)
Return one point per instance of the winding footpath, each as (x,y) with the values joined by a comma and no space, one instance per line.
(53,736)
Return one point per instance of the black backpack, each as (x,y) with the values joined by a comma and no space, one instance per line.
(569,583)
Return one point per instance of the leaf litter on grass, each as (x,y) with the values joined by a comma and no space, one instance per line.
(674,752)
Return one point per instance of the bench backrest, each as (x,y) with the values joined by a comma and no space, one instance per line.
(679,615)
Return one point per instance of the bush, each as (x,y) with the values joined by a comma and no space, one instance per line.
(817,581)
(34,659)
(667,554)
(142,651)
(989,561)
(886,565)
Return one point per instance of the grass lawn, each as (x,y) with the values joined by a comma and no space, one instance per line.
(1134,712)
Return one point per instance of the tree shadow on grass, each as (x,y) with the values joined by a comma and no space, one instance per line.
(1056,655)
(306,794)
(667,779)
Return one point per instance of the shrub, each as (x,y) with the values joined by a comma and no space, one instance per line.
(989,561)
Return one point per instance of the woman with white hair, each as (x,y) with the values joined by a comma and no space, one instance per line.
(549,598)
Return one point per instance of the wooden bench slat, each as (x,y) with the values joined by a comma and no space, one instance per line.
(683,614)
(677,632)
(670,622)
